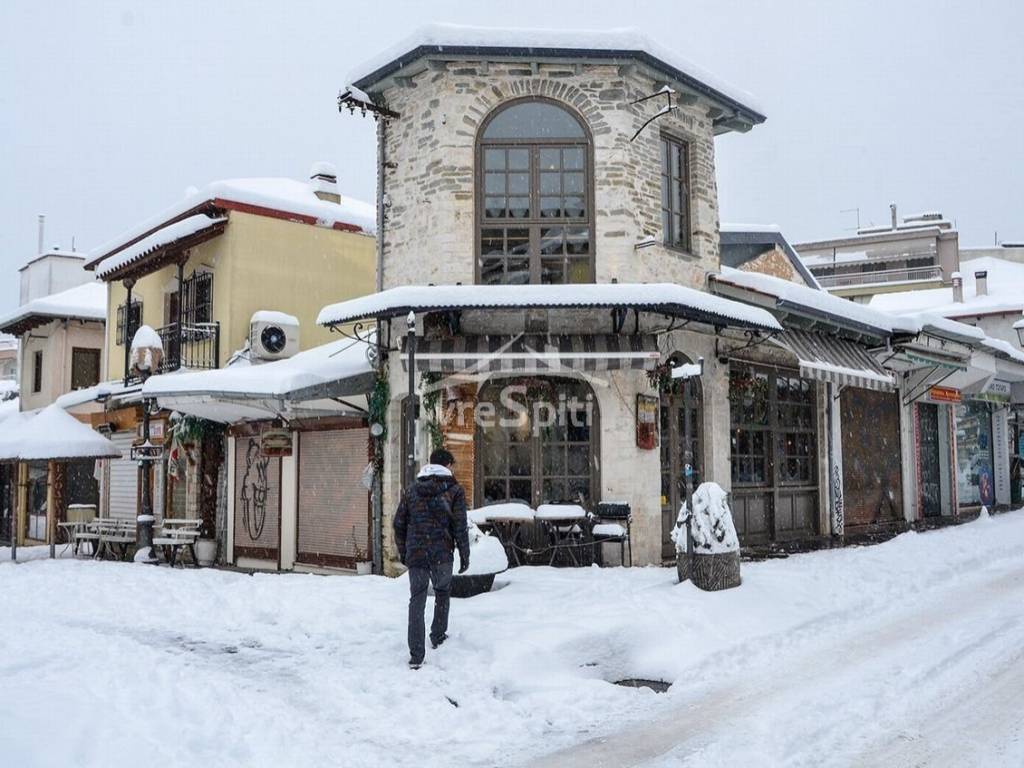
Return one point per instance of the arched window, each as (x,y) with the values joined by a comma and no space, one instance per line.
(534,213)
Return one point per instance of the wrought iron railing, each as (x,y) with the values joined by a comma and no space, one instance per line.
(880,276)
(195,346)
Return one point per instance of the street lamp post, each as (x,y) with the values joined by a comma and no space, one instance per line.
(146,356)
(410,413)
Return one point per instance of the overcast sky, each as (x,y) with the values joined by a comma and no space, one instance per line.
(109,110)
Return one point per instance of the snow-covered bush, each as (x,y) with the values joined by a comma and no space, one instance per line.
(486,554)
(711,529)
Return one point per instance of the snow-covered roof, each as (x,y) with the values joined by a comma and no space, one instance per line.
(666,298)
(54,434)
(1005,293)
(105,390)
(193,225)
(295,199)
(458,39)
(330,370)
(809,298)
(83,302)
(748,228)
(8,408)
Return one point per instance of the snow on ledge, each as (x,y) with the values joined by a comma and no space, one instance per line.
(85,302)
(193,225)
(646,296)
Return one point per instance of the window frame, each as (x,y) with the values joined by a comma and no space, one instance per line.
(37,371)
(121,323)
(533,224)
(77,353)
(686,197)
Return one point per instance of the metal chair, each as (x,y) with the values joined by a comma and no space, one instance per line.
(612,525)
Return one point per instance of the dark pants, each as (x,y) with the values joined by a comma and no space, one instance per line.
(441,576)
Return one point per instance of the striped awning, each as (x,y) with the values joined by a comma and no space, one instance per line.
(535,353)
(841,362)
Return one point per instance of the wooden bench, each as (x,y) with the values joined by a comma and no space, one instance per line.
(115,536)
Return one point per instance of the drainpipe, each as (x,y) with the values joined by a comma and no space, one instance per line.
(127,328)
(377,494)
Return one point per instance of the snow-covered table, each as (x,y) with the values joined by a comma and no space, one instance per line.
(507,520)
(567,527)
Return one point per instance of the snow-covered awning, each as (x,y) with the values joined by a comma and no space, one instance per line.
(838,361)
(791,298)
(309,383)
(53,435)
(662,298)
(83,302)
(529,354)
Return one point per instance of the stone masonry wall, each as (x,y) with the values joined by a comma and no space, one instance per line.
(429,232)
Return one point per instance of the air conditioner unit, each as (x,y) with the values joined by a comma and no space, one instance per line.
(273,336)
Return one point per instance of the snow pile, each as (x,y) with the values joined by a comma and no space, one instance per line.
(275,318)
(508,510)
(8,408)
(53,433)
(711,529)
(277,670)
(486,555)
(147,349)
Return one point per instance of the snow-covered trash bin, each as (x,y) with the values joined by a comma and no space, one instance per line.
(716,548)
(486,559)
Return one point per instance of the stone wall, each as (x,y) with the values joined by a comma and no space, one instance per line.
(429,231)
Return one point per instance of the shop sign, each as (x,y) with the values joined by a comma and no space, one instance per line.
(1001,456)
(944,395)
(276,442)
(646,422)
(156,430)
(994,392)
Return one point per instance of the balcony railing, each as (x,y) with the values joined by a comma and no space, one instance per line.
(906,274)
(197,346)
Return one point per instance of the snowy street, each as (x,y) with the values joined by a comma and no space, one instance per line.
(907,653)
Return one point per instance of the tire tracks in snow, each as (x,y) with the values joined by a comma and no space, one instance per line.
(879,641)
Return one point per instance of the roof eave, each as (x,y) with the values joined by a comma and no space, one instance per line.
(742,114)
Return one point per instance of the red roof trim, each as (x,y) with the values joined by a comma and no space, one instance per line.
(274,213)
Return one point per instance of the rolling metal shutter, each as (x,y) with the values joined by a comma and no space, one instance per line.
(124,479)
(257,501)
(334,508)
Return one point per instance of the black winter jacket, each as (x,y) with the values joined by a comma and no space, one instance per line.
(431,522)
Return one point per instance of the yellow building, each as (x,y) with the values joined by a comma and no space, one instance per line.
(198,273)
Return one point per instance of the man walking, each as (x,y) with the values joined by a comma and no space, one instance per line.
(429,524)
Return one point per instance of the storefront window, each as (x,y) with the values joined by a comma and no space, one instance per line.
(974,476)
(536,440)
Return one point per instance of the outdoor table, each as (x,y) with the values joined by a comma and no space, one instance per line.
(507,520)
(566,525)
(71,530)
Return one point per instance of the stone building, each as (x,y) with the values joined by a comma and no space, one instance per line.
(549,214)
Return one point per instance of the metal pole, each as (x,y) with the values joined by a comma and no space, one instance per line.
(410,414)
(145,520)
(688,478)
(127,328)
(377,494)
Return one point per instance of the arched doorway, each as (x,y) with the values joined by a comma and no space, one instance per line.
(537,441)
(681,415)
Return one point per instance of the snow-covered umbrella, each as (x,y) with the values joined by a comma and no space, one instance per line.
(53,435)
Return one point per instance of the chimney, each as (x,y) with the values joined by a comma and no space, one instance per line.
(981,283)
(42,226)
(892,213)
(323,180)
(958,287)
